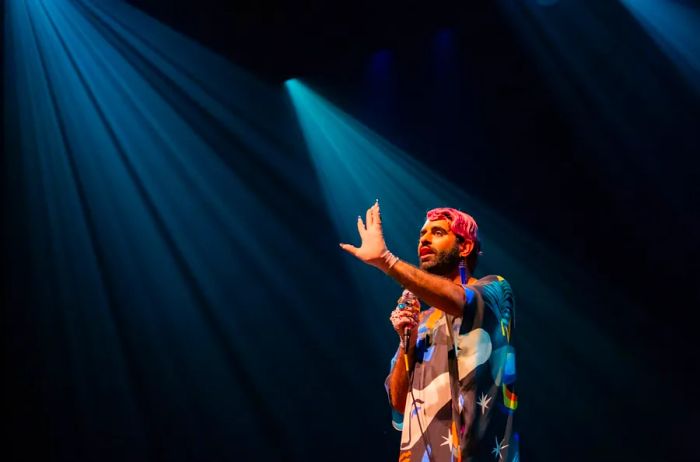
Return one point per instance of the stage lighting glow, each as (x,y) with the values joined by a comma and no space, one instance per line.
(674,27)
(169,265)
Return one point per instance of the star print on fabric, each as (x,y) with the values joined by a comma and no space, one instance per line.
(496,451)
(452,443)
(448,439)
(483,402)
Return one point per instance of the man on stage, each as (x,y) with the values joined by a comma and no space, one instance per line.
(452,379)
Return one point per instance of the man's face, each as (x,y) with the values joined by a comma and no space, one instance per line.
(438,248)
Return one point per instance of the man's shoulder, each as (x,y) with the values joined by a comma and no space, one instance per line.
(492,279)
(496,292)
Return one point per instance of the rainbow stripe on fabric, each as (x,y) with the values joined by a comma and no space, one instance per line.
(510,399)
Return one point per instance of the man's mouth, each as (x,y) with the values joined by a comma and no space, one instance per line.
(425,251)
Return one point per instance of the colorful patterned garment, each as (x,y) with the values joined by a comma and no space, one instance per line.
(479,427)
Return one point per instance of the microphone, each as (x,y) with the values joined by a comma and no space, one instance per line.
(406,339)
(407,297)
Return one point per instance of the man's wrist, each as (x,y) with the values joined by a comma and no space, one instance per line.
(407,351)
(386,261)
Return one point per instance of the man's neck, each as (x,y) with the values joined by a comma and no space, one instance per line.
(457,279)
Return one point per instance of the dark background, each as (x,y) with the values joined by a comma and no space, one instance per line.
(620,205)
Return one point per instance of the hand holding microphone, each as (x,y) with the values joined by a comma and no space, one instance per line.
(405,317)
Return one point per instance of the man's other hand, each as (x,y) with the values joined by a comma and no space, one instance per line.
(406,314)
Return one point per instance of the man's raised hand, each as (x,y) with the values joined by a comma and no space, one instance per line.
(373,249)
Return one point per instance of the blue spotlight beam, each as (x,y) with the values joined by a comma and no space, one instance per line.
(151,224)
(173,273)
(674,27)
(617,92)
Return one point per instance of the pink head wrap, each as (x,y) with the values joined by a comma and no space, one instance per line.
(461,224)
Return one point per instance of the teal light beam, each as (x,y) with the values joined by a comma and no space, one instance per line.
(614,89)
(674,27)
(160,187)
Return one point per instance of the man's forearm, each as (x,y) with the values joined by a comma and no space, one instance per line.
(432,289)
(398,380)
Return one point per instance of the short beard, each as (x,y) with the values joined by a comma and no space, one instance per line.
(445,263)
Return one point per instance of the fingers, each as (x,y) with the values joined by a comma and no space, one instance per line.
(373,215)
(403,314)
(403,318)
(404,310)
(369,217)
(351,249)
(377,214)
(361,227)
(408,300)
(404,323)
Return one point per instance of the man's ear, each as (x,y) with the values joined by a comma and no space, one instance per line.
(465,248)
